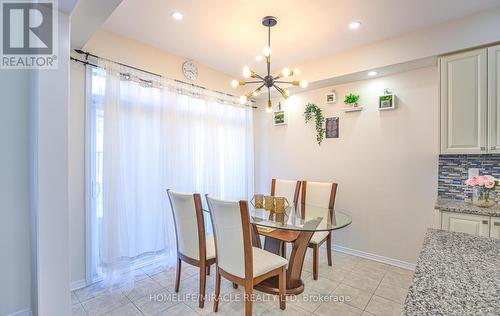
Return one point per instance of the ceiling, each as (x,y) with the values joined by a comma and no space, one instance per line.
(82,28)
(226,35)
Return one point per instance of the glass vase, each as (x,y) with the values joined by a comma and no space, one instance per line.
(483,197)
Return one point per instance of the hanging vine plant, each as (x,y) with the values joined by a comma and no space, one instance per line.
(314,110)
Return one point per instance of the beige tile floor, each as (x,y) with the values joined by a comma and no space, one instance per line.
(370,288)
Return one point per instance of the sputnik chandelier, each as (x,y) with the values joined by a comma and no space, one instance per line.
(268,81)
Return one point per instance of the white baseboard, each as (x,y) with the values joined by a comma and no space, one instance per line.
(24,312)
(76,285)
(371,256)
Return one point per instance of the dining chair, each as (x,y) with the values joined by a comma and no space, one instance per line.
(197,250)
(237,260)
(319,194)
(290,189)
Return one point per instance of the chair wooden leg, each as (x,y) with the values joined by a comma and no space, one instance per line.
(329,249)
(178,275)
(217,290)
(248,299)
(203,280)
(282,288)
(315,261)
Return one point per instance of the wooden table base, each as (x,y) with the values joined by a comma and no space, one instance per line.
(294,284)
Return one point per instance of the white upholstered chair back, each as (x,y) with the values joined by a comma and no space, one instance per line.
(228,231)
(186,224)
(317,193)
(285,188)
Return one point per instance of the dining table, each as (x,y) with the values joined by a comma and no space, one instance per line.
(295,225)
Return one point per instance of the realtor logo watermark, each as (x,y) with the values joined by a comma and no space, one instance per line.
(29,34)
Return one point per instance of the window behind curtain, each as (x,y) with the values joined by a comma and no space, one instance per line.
(171,138)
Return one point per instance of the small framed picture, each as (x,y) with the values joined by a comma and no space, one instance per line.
(331,98)
(387,102)
(332,127)
(279,118)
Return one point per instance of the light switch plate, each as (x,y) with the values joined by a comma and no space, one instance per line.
(473,172)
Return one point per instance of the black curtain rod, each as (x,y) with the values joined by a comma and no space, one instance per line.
(87,54)
(84,62)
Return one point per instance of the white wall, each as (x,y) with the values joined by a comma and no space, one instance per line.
(15,223)
(76,173)
(51,103)
(33,187)
(385,163)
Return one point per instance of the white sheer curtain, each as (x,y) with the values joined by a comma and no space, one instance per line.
(159,135)
(210,147)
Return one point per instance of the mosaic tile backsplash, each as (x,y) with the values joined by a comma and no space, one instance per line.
(453,172)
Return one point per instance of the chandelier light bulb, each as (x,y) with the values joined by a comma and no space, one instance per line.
(303,83)
(234,83)
(296,71)
(258,58)
(269,109)
(243,99)
(286,72)
(246,72)
(267,51)
(287,92)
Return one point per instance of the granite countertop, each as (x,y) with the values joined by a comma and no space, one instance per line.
(458,206)
(456,274)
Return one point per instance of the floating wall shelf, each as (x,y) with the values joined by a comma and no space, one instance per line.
(353,109)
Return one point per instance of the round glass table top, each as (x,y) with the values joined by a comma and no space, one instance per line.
(299,218)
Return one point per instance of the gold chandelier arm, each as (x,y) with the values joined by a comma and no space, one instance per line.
(257,81)
(280,90)
(256,75)
(253,74)
(250,94)
(269,104)
(268,64)
(287,82)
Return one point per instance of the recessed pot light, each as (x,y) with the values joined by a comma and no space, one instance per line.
(372,73)
(354,25)
(177,15)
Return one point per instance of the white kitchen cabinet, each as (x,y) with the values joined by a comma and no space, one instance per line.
(495,227)
(466,223)
(494,99)
(464,104)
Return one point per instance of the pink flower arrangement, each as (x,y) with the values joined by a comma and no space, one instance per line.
(487,182)
(483,186)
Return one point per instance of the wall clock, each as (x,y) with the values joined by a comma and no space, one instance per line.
(190,70)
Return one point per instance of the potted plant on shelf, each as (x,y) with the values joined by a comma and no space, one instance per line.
(483,190)
(351,100)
